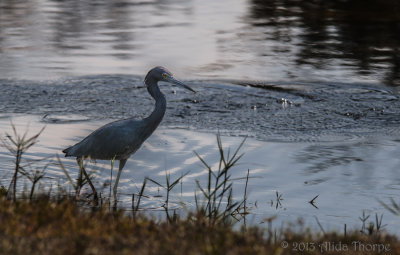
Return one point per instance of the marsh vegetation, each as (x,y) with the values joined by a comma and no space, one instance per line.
(62,221)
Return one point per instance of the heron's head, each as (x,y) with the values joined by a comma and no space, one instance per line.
(160,73)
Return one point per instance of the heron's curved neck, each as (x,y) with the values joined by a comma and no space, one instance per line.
(161,105)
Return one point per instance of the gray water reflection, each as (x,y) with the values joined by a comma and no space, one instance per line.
(347,41)
(321,157)
(359,35)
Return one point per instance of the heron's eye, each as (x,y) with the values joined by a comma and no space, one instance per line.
(165,75)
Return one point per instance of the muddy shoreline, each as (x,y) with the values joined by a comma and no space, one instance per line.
(266,111)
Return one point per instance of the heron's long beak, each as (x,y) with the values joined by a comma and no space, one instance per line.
(174,81)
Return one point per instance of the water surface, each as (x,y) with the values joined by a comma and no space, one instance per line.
(349,176)
(339,41)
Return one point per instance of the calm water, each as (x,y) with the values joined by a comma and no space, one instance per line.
(252,40)
(315,87)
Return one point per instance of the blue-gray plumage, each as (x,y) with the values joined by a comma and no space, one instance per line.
(118,140)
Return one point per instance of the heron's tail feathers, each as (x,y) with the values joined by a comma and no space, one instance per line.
(66,151)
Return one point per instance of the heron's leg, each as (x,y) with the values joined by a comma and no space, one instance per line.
(121,165)
(79,180)
(82,169)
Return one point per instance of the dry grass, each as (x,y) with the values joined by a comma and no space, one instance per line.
(50,226)
(62,227)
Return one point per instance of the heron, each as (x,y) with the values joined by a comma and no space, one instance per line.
(120,139)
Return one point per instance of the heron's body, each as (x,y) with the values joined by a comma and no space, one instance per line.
(118,140)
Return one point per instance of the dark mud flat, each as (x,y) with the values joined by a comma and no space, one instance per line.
(267,111)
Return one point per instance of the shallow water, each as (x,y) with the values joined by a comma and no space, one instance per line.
(349,176)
